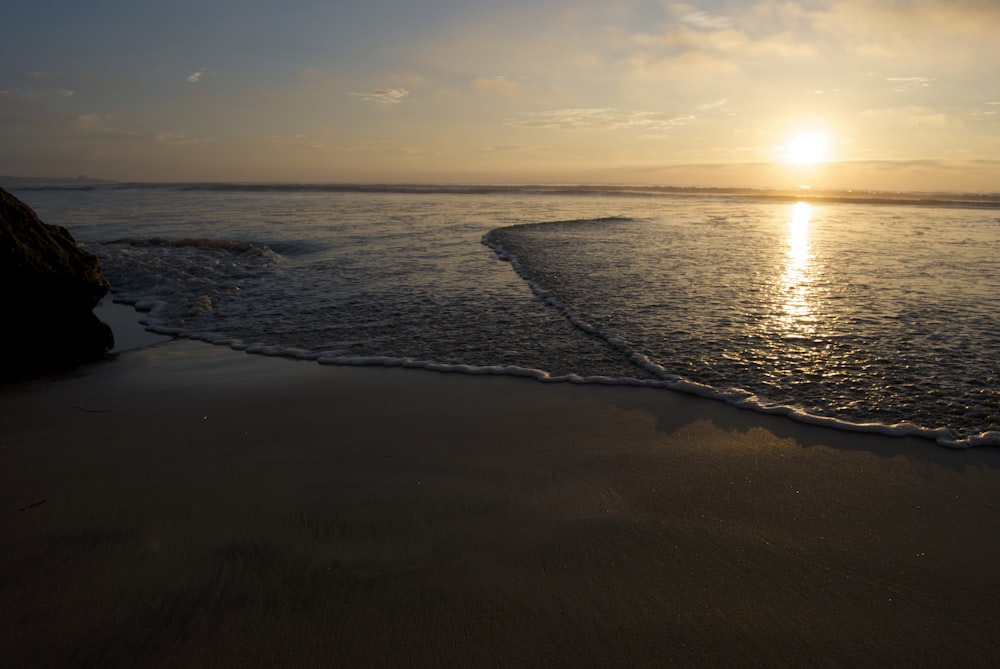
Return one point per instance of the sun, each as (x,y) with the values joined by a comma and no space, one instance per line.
(807,148)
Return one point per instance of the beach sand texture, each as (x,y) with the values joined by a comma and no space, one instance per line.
(186,505)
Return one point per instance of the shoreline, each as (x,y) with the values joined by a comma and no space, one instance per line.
(130,333)
(185,504)
(125,321)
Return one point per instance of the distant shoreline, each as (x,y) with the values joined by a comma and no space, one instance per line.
(926,198)
(8,179)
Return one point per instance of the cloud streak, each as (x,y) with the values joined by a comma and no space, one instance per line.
(591,119)
(175,138)
(700,19)
(903,84)
(496,85)
(388,96)
(17,94)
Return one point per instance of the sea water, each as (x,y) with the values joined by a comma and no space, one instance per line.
(864,312)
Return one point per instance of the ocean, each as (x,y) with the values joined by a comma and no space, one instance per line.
(862,311)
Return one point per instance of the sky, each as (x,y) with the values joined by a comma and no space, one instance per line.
(859,94)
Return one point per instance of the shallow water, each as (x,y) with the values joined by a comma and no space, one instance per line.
(851,312)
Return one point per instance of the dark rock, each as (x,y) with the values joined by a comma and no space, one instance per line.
(49,287)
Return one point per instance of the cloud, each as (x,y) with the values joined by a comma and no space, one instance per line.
(689,66)
(18,94)
(936,32)
(92,122)
(384,95)
(599,119)
(902,84)
(103,127)
(299,141)
(510,148)
(700,19)
(909,116)
(411,79)
(195,77)
(683,39)
(176,138)
(713,105)
(501,85)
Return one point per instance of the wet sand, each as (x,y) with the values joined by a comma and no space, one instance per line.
(185,505)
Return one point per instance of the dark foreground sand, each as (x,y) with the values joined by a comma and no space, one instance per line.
(189,506)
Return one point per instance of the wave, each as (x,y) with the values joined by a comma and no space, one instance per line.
(199,243)
(494,239)
(180,282)
(288,248)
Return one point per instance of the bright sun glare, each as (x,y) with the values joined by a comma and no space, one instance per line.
(807,148)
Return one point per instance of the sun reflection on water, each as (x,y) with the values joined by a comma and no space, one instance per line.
(797,315)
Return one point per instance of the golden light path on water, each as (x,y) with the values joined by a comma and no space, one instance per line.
(797,319)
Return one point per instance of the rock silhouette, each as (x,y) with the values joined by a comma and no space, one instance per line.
(49,287)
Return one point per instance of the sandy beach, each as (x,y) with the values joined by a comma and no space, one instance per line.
(186,505)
